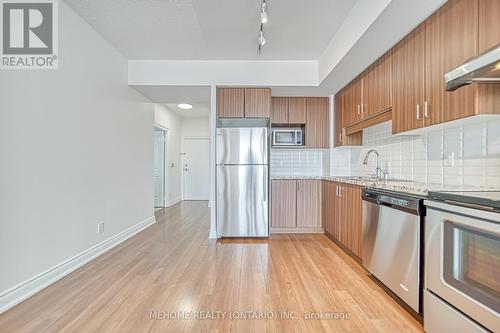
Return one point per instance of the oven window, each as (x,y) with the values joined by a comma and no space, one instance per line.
(285,137)
(472,263)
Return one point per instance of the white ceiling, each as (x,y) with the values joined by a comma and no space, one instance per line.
(215,29)
(176,94)
(198,110)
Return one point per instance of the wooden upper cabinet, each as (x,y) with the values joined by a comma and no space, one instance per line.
(408,70)
(257,102)
(339,136)
(317,122)
(377,86)
(309,203)
(489,24)
(451,39)
(283,203)
(279,110)
(337,120)
(297,110)
(353,102)
(231,102)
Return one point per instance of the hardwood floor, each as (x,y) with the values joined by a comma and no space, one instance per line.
(173,267)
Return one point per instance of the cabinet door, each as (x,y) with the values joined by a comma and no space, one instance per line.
(257,102)
(451,39)
(377,86)
(353,218)
(339,228)
(352,102)
(317,122)
(283,203)
(328,199)
(337,123)
(279,110)
(309,203)
(297,110)
(408,81)
(230,102)
(489,24)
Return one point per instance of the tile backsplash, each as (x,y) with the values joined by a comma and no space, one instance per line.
(308,162)
(468,155)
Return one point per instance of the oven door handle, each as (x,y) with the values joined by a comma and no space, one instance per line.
(485,227)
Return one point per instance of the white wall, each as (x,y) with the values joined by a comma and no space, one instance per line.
(172,121)
(76,147)
(195,127)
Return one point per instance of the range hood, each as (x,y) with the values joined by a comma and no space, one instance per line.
(483,68)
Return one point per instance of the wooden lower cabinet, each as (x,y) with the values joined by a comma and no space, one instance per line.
(342,214)
(296,204)
(308,203)
(283,203)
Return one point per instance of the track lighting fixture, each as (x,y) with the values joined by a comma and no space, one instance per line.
(262,39)
(263,19)
(263,14)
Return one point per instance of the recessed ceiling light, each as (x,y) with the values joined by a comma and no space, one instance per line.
(185,106)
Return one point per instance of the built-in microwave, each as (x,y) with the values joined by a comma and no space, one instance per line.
(288,137)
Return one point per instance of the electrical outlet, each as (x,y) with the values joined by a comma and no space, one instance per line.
(100,228)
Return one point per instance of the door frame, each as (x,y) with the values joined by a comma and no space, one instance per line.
(165,160)
(184,138)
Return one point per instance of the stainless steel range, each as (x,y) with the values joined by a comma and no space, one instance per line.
(462,251)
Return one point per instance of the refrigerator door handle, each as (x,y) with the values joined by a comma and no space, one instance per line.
(264,187)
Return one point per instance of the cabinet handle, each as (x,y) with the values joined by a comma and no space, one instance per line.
(362,108)
(337,191)
(426,110)
(359,109)
(418,111)
(340,137)
(340,191)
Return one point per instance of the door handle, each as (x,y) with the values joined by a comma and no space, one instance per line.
(418,111)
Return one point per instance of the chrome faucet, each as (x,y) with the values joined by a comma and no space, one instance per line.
(378,170)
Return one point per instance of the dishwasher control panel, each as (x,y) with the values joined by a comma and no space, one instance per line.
(394,200)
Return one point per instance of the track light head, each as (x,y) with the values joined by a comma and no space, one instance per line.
(262,39)
(263,17)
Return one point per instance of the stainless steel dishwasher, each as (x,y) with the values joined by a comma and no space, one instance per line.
(392,230)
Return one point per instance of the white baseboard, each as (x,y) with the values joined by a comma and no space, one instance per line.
(15,295)
(173,202)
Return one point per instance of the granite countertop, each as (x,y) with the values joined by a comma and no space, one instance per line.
(410,187)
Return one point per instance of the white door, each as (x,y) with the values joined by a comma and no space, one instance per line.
(159,167)
(196,169)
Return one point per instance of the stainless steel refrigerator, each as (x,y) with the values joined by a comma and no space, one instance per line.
(242,182)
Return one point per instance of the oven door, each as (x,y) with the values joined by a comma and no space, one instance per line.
(463,261)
